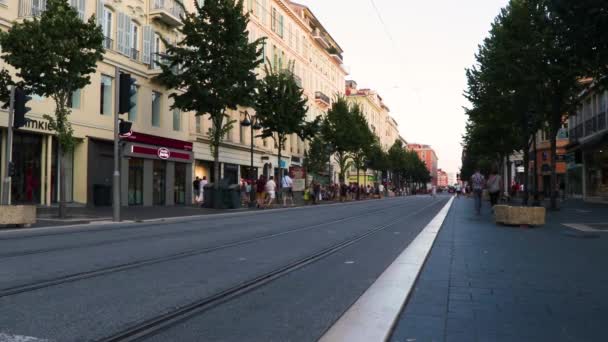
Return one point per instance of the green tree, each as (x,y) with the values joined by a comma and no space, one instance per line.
(54,56)
(364,138)
(377,158)
(212,68)
(316,156)
(397,157)
(339,131)
(281,108)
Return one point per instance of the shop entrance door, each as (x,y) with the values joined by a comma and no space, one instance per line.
(159,183)
(26,184)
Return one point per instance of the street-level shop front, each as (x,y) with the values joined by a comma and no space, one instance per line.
(35,159)
(156,171)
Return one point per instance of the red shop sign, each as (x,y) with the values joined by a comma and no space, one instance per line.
(162,152)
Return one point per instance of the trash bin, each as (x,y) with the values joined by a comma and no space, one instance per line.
(232,197)
(208,195)
(102,195)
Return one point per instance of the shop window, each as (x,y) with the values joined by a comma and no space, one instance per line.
(26,184)
(156,109)
(159,179)
(136,181)
(68,173)
(106,95)
(179,187)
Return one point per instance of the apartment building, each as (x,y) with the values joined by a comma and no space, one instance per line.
(429,157)
(587,153)
(168,148)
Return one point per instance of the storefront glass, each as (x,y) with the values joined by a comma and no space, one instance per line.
(159,183)
(597,172)
(231,173)
(136,181)
(180,184)
(245,173)
(26,184)
(69,174)
(204,169)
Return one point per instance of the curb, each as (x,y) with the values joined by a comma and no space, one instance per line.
(372,317)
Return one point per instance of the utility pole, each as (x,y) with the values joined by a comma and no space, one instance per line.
(116,176)
(9,149)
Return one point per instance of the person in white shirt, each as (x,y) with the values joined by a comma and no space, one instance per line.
(271,191)
(287,189)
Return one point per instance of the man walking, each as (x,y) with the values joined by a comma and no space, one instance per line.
(196,190)
(287,189)
(271,191)
(477,183)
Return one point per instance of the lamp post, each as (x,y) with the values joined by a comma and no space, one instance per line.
(252,122)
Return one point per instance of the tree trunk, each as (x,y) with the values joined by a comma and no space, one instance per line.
(216,178)
(536,201)
(62,187)
(553,170)
(526,198)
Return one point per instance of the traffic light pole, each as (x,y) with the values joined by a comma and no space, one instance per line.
(9,150)
(116,176)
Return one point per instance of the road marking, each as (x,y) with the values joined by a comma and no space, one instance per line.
(19,338)
(350,262)
(372,317)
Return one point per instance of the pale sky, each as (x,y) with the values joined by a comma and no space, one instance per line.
(421,72)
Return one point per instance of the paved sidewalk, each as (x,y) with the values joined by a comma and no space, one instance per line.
(484,282)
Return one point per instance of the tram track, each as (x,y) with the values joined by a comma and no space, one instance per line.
(166,320)
(45,283)
(186,232)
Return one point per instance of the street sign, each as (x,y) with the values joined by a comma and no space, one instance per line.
(164,153)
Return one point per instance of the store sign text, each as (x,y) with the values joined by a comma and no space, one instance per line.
(37,124)
(164,153)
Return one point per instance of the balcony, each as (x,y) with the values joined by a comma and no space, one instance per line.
(167,11)
(320,38)
(322,98)
(31,8)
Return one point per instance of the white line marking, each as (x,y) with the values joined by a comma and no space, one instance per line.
(19,338)
(372,316)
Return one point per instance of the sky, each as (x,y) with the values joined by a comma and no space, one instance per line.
(416,60)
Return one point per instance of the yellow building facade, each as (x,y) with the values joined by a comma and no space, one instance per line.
(168,148)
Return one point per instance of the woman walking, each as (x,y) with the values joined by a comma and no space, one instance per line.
(494,185)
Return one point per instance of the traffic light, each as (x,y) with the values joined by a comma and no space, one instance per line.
(21,99)
(126,92)
(124,128)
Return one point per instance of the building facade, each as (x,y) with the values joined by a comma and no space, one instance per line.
(429,157)
(587,153)
(168,148)
(380,122)
(442,179)
(541,160)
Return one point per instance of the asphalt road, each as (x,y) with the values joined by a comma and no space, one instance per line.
(283,275)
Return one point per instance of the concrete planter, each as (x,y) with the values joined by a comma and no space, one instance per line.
(20,215)
(518,216)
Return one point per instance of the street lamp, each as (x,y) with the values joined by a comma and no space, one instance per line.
(251,121)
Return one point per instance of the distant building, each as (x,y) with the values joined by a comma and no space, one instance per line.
(429,157)
(442,179)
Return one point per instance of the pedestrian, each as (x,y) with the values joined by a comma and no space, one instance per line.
(202,189)
(260,191)
(271,192)
(316,192)
(196,190)
(494,186)
(287,189)
(433,191)
(477,184)
(458,190)
(343,192)
(244,192)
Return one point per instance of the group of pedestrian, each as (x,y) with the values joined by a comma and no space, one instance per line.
(198,190)
(493,185)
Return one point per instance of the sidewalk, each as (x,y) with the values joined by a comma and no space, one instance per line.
(484,282)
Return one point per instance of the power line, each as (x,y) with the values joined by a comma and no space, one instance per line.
(384,26)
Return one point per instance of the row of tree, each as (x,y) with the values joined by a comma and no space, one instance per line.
(528,76)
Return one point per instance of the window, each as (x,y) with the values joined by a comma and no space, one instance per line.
(156,109)
(74,100)
(107,28)
(274,20)
(250,5)
(197,121)
(133,111)
(134,53)
(106,95)
(177,120)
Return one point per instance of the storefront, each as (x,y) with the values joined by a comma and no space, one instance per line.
(36,163)
(159,171)
(596,172)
